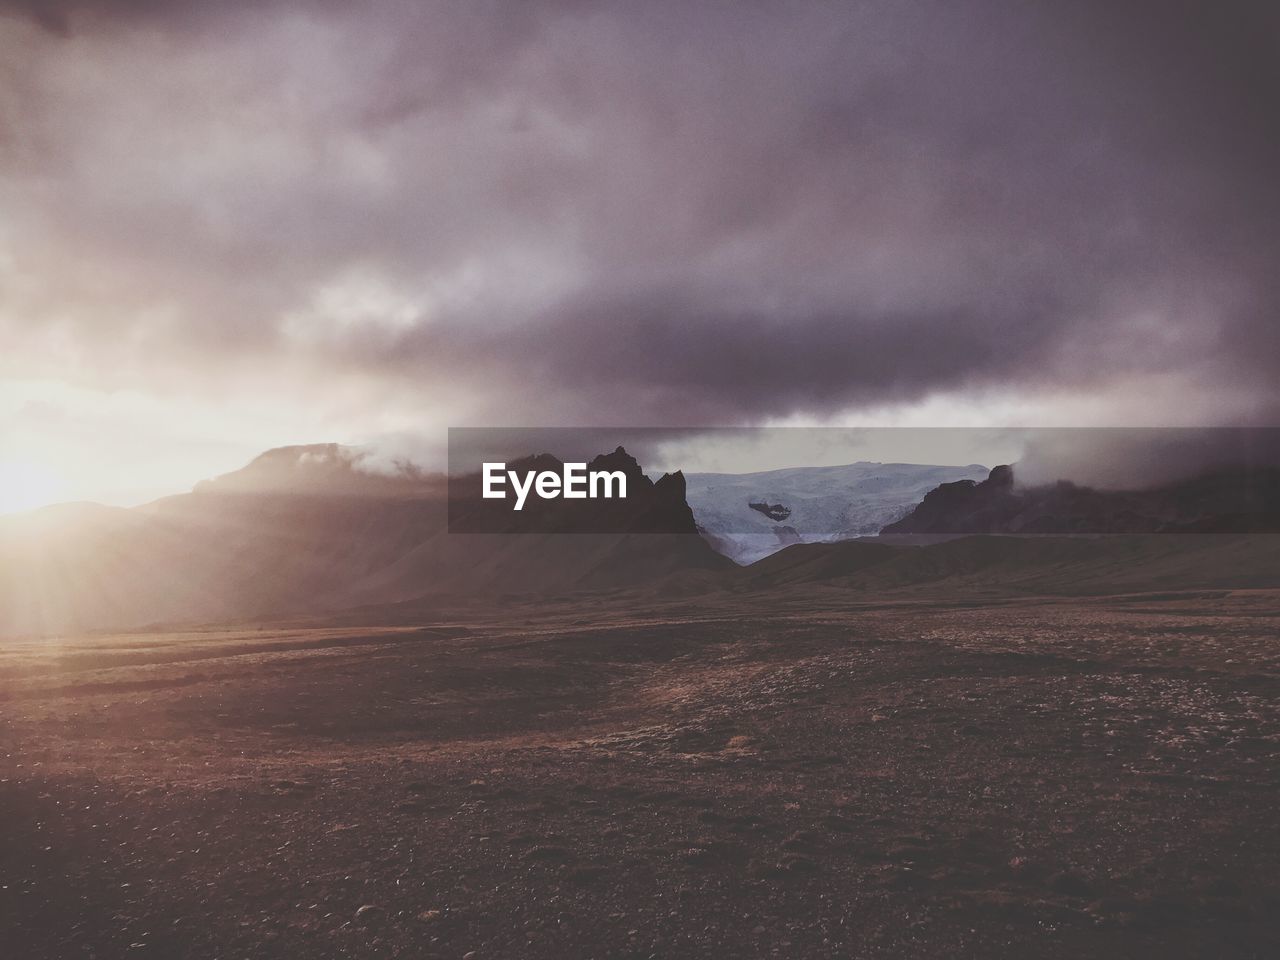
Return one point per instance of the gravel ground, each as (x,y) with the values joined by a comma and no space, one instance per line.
(776,776)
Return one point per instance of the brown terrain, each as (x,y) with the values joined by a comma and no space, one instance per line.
(292,715)
(779,769)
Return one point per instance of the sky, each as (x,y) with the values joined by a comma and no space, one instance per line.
(227,227)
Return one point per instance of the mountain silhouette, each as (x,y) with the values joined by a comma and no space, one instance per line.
(1225,500)
(312,528)
(649,506)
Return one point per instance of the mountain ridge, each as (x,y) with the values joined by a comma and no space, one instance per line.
(296,530)
(1226,499)
(251,544)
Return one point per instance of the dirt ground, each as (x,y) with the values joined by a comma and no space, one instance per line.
(793,775)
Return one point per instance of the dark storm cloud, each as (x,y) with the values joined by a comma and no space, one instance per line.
(666,213)
(1128,458)
(58,16)
(679,360)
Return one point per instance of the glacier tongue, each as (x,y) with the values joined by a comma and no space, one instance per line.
(809,504)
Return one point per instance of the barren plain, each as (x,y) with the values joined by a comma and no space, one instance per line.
(794,774)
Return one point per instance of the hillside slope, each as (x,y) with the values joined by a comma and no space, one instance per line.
(1009,565)
(299,529)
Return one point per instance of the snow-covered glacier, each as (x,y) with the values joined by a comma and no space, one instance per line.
(747,516)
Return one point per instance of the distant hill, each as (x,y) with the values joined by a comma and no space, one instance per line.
(1229,500)
(979,566)
(302,529)
(305,530)
(748,516)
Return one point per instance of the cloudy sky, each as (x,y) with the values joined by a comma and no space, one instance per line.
(225,227)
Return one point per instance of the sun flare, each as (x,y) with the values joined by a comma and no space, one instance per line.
(26,485)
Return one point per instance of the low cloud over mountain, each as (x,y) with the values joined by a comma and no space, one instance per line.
(399,216)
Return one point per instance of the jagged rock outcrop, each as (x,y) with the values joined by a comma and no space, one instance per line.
(649,506)
(774,511)
(1229,500)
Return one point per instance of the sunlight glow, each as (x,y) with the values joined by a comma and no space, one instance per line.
(25,485)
